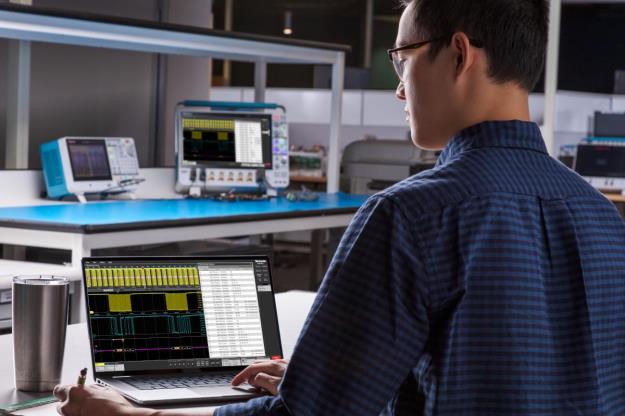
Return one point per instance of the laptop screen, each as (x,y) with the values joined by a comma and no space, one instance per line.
(180,313)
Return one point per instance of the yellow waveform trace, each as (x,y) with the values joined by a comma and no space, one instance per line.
(195,123)
(142,277)
(120,303)
(176,301)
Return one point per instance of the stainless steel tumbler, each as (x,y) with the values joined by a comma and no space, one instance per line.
(40,305)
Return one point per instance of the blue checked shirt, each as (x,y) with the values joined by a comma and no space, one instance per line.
(493,284)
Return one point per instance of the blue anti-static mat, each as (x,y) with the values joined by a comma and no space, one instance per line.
(95,216)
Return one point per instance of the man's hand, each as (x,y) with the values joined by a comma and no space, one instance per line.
(93,400)
(266,375)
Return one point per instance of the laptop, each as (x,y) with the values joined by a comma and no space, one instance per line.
(177,329)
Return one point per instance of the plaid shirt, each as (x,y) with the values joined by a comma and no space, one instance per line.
(493,284)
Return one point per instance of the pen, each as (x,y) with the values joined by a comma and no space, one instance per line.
(82,377)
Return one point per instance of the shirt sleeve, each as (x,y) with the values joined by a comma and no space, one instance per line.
(262,406)
(366,329)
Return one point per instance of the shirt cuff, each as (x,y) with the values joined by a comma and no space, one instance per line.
(261,406)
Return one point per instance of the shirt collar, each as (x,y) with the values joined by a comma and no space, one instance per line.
(508,134)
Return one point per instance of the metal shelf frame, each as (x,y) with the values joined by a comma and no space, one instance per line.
(31,24)
(551,76)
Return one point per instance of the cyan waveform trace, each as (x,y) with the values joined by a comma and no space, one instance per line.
(179,324)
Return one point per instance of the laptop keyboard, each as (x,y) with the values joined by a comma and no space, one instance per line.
(180,381)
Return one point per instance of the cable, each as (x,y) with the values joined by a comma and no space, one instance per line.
(119,188)
(304,195)
(233,195)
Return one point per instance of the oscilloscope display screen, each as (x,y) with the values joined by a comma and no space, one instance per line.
(89,160)
(164,316)
(227,140)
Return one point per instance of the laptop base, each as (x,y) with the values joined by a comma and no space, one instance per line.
(213,394)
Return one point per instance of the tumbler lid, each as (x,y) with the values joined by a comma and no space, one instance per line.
(42,280)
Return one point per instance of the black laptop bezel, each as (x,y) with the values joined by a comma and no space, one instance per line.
(197,370)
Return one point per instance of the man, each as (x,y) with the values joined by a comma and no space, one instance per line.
(493,284)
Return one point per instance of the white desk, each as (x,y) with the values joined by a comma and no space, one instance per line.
(292,309)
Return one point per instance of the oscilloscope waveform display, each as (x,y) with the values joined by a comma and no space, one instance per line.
(133,320)
(142,277)
(144,302)
(164,325)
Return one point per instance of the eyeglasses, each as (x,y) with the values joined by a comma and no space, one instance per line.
(398,63)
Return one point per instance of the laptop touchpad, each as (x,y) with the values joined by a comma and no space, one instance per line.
(225,391)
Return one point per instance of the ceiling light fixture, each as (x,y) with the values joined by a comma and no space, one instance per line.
(288,29)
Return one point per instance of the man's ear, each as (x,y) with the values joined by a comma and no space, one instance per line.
(461,47)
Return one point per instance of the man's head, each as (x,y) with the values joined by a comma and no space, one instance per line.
(469,61)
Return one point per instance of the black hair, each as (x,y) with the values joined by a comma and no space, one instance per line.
(513,33)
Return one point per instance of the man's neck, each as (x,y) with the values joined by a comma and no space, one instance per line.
(489,102)
(497,103)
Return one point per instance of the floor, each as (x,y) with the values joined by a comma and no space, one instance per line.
(291,271)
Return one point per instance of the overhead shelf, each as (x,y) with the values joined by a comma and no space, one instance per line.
(37,24)
(50,25)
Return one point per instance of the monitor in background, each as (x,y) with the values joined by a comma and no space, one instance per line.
(609,124)
(602,163)
(230,146)
(600,160)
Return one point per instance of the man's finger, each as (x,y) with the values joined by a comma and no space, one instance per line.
(267,382)
(72,390)
(65,409)
(244,375)
(251,371)
(60,392)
